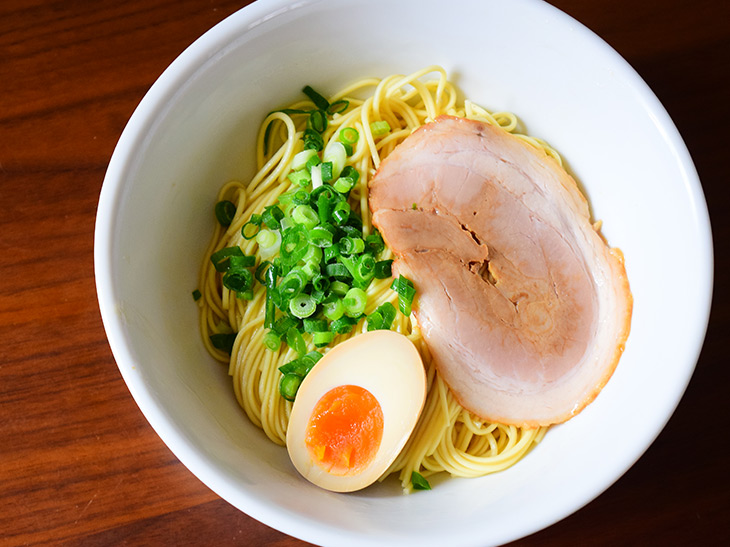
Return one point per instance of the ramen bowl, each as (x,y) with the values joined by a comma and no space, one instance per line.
(196,129)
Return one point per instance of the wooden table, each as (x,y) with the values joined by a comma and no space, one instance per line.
(78,462)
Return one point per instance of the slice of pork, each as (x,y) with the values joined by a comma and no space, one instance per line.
(524,307)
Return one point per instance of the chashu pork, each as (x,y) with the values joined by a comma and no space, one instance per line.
(523,306)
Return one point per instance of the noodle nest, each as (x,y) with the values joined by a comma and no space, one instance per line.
(447,437)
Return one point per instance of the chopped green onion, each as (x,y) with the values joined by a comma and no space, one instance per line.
(294,244)
(317,121)
(283,324)
(354,302)
(343,325)
(237,262)
(318,296)
(361,276)
(351,173)
(225,211)
(326,170)
(347,180)
(375,242)
(292,284)
(272,341)
(419,482)
(349,135)
(269,308)
(301,197)
(312,141)
(239,281)
(269,242)
(354,222)
(317,176)
(366,266)
(331,253)
(300,159)
(318,100)
(295,341)
(382,317)
(315,325)
(406,291)
(320,283)
(313,254)
(321,339)
(289,385)
(272,216)
(223,341)
(286,223)
(333,309)
(245,295)
(320,237)
(338,107)
(196,295)
(302,306)
(310,269)
(343,185)
(300,177)
(341,213)
(335,153)
(337,270)
(383,269)
(339,288)
(266,238)
(301,366)
(221,258)
(254,221)
(351,245)
(379,128)
(266,274)
(306,216)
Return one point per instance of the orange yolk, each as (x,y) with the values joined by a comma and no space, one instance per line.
(344,430)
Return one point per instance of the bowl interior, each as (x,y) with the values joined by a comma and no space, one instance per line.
(196,129)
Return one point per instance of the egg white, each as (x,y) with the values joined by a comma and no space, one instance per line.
(389,366)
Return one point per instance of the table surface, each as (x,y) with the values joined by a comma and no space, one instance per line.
(78,461)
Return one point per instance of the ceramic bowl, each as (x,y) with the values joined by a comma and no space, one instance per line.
(195,129)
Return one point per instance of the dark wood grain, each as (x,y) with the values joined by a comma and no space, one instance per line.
(78,462)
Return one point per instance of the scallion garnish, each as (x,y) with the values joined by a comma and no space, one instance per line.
(197,295)
(302,305)
(419,482)
(223,341)
(354,302)
(225,211)
(338,107)
(318,100)
(383,269)
(302,177)
(317,121)
(312,141)
(406,291)
(239,280)
(379,128)
(221,258)
(289,385)
(315,262)
(349,135)
(382,318)
(252,227)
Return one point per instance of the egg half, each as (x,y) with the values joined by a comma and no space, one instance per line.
(355,410)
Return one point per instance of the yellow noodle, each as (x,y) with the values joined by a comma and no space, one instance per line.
(447,438)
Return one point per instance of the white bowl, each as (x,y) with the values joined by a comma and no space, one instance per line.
(195,130)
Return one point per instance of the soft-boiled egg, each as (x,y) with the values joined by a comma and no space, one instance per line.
(355,410)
